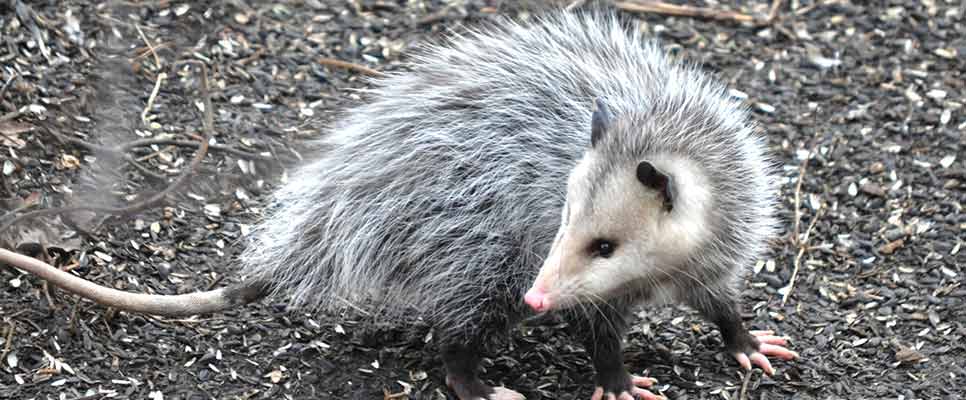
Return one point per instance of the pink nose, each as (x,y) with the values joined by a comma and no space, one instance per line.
(537,300)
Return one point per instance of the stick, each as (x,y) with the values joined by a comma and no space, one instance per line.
(256,55)
(8,340)
(50,300)
(744,386)
(159,197)
(802,248)
(141,53)
(773,13)
(331,62)
(142,169)
(660,7)
(155,154)
(154,93)
(157,61)
(797,240)
(798,197)
(188,143)
(166,141)
(157,83)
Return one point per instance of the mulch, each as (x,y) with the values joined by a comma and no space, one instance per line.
(863,106)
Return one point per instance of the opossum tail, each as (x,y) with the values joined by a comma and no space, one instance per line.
(153,304)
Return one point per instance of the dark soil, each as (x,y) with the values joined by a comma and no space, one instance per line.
(874,93)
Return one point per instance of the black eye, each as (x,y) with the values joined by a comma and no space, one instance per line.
(602,248)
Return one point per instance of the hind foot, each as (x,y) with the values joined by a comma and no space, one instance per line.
(635,391)
(768,345)
(475,389)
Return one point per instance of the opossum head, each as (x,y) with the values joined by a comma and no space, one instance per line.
(626,224)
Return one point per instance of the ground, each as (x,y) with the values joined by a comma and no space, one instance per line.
(869,99)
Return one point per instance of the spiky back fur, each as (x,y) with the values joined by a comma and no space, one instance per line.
(444,192)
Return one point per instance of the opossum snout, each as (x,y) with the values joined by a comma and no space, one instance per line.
(537,299)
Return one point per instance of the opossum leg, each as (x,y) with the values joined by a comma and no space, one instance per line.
(461,362)
(748,347)
(601,330)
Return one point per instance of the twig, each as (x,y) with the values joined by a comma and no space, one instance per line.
(157,61)
(94,147)
(434,16)
(189,143)
(798,198)
(164,141)
(159,197)
(254,56)
(155,154)
(50,300)
(154,94)
(796,239)
(660,7)
(744,386)
(773,12)
(807,9)
(144,52)
(802,248)
(331,62)
(79,142)
(142,169)
(157,83)
(8,341)
(215,282)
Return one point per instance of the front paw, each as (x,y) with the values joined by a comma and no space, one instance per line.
(631,389)
(767,345)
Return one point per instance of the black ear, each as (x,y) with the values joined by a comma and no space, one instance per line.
(657,180)
(600,121)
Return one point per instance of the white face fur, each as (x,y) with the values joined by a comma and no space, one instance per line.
(625,228)
(625,237)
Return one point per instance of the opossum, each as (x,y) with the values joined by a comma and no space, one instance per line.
(564,165)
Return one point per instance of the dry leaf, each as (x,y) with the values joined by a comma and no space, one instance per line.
(909,356)
(891,247)
(68,161)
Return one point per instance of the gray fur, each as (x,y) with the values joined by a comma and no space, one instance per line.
(443,193)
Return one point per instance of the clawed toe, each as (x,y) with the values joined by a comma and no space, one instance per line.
(502,393)
(636,393)
(643,381)
(769,345)
(777,351)
(474,389)
(646,395)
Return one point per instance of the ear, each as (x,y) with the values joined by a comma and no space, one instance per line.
(600,122)
(653,178)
